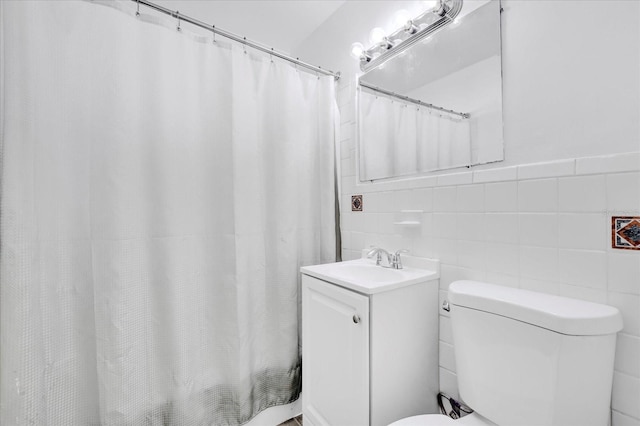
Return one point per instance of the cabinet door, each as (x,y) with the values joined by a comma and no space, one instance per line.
(335,355)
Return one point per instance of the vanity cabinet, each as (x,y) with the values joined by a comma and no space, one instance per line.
(368,358)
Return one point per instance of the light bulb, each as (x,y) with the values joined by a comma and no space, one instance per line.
(356,50)
(410,28)
(376,35)
(400,18)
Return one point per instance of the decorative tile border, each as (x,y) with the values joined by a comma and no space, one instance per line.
(625,232)
(356,203)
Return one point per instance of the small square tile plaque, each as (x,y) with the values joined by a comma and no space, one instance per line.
(625,232)
(356,203)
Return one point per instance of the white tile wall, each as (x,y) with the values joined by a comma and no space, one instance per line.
(544,227)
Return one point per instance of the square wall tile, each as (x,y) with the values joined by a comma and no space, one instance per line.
(623,194)
(446,250)
(589,231)
(501,228)
(538,229)
(539,195)
(539,263)
(471,226)
(423,199)
(501,197)
(502,258)
(472,254)
(623,272)
(444,199)
(403,200)
(444,225)
(583,268)
(582,194)
(470,198)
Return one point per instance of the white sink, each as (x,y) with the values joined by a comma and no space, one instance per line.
(364,276)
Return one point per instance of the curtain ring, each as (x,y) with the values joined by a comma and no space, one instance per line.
(213,27)
(244,45)
(271,55)
(178,16)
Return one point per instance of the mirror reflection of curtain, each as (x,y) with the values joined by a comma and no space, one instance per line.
(399,138)
(377,133)
(159,193)
(405,138)
(444,140)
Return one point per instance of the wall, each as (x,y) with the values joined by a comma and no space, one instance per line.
(571,102)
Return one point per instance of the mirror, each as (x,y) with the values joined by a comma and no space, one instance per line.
(438,104)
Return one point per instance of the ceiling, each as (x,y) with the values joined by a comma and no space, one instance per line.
(280,24)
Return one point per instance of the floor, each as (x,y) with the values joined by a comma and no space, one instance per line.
(296,421)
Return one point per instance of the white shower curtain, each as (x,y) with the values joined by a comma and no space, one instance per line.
(159,192)
(398,138)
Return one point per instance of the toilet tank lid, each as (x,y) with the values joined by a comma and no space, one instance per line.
(557,313)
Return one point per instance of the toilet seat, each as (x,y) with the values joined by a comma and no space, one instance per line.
(472,419)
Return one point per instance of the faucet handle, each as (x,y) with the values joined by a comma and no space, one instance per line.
(397,261)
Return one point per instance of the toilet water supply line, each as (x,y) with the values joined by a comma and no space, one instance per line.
(243,40)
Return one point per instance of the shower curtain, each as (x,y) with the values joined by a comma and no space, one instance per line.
(159,191)
(399,138)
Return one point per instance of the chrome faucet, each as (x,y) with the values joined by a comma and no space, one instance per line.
(393,260)
(377,251)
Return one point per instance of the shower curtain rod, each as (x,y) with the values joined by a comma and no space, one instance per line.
(413,101)
(234,37)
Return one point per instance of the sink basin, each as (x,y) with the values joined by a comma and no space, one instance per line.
(364,276)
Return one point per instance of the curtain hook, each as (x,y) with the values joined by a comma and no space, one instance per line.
(244,45)
(178,16)
(213,28)
(138,8)
(271,55)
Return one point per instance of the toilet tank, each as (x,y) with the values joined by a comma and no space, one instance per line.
(528,358)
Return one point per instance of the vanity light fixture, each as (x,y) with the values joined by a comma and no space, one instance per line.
(384,47)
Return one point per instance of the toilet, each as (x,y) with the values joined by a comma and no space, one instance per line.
(529,359)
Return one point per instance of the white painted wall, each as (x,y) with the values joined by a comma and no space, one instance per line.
(571,90)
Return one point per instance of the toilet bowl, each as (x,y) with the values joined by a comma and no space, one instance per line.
(525,358)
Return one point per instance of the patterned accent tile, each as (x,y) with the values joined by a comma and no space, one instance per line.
(625,232)
(356,203)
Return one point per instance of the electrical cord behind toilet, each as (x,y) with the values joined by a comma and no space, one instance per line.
(452,408)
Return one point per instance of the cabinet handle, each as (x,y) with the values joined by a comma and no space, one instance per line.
(356,318)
